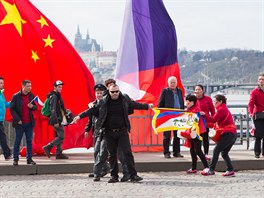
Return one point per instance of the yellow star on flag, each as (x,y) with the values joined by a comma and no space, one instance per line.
(48,41)
(12,17)
(34,56)
(42,22)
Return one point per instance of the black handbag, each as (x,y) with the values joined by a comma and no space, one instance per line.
(259,116)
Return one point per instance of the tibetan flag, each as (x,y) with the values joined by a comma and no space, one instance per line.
(33,48)
(166,119)
(148,51)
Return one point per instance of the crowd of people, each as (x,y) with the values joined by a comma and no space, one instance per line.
(109,123)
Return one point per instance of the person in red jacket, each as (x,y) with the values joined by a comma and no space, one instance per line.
(226,127)
(193,106)
(256,111)
(206,105)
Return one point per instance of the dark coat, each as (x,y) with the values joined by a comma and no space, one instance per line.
(16,108)
(166,99)
(100,110)
(56,108)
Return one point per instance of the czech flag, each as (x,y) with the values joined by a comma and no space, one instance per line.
(148,51)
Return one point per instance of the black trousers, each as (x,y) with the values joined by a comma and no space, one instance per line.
(224,145)
(206,141)
(257,146)
(100,156)
(175,144)
(115,141)
(196,150)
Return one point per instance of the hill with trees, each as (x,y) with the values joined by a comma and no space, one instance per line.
(220,66)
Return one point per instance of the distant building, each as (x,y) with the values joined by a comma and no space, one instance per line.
(106,59)
(85,45)
(100,63)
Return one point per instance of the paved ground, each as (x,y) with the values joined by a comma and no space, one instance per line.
(159,184)
(242,159)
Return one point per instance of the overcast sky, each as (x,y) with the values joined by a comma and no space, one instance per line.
(200,24)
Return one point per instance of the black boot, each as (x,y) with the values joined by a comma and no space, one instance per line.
(61,156)
(47,149)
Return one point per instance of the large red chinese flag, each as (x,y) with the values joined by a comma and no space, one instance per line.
(33,48)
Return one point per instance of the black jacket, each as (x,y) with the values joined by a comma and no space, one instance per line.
(56,108)
(91,122)
(166,99)
(16,108)
(100,110)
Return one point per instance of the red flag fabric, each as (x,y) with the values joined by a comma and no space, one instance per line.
(33,48)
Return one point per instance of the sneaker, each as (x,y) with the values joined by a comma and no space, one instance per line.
(91,175)
(167,156)
(191,171)
(135,178)
(229,173)
(207,172)
(31,162)
(15,162)
(178,155)
(113,180)
(61,156)
(207,157)
(9,157)
(96,179)
(257,156)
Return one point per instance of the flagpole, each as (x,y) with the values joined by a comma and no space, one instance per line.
(33,99)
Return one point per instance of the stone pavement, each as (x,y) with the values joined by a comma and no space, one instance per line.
(245,184)
(145,162)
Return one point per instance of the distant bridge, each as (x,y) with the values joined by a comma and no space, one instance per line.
(217,87)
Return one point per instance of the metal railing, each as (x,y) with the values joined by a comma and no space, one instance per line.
(150,139)
(142,134)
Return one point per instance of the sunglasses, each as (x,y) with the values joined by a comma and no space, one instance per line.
(114,91)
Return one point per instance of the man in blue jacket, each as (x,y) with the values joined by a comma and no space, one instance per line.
(3,106)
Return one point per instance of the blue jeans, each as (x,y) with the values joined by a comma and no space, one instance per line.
(20,130)
(3,141)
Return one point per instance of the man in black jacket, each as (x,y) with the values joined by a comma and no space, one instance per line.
(57,120)
(21,107)
(101,166)
(113,122)
(171,97)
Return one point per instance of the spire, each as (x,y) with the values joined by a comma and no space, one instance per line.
(78,30)
(87,35)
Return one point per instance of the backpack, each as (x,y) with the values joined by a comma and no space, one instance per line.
(46,108)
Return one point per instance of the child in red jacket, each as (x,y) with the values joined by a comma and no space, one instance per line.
(195,149)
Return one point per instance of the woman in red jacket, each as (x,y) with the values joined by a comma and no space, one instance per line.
(206,105)
(226,127)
